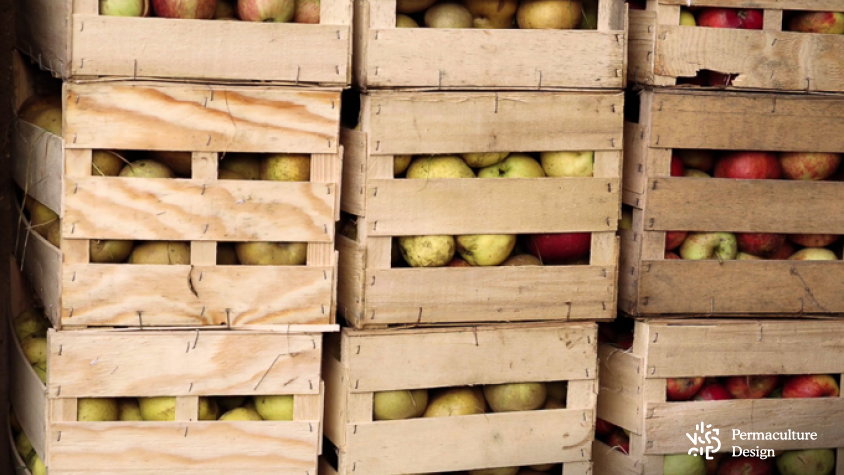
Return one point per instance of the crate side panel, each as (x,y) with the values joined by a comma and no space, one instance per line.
(611,461)
(38,163)
(43,32)
(41,262)
(620,394)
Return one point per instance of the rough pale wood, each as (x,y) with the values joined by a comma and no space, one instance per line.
(610,461)
(354,171)
(41,262)
(620,395)
(351,271)
(43,33)
(28,396)
(37,161)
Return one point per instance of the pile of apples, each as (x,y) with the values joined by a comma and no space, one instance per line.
(24,448)
(498,14)
(282,11)
(30,327)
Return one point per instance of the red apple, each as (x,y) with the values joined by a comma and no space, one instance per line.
(784,252)
(677,168)
(192,9)
(713,392)
(746,466)
(702,160)
(760,244)
(266,10)
(307,11)
(751,19)
(818,22)
(719,18)
(809,166)
(671,255)
(683,389)
(810,385)
(749,165)
(673,239)
(625,341)
(813,240)
(603,428)
(751,387)
(458,262)
(618,439)
(559,247)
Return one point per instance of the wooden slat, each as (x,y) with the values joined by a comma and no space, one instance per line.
(114,294)
(508,58)
(490,294)
(105,363)
(640,46)
(43,33)
(819,5)
(489,355)
(354,171)
(740,348)
(183,209)
(456,122)
(486,440)
(609,461)
(635,172)
(144,47)
(41,262)
(28,397)
(620,394)
(37,164)
(350,268)
(464,206)
(736,287)
(156,116)
(770,122)
(779,206)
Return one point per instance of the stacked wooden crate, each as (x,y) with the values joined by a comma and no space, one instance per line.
(201,329)
(780,93)
(429,91)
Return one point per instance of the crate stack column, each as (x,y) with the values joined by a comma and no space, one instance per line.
(207,332)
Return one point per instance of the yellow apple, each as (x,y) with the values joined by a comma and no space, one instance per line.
(111,250)
(694,173)
(549,14)
(23,445)
(44,112)
(401,404)
(260,253)
(687,18)
(164,408)
(275,408)
(439,166)
(515,396)
(427,251)
(567,164)
(105,163)
(244,165)
(522,260)
(400,164)
(146,169)
(30,323)
(161,253)
(241,414)
(492,13)
(448,15)
(36,465)
(455,402)
(96,409)
(286,167)
(128,410)
(485,249)
(35,349)
(404,21)
(516,165)
(484,159)
(179,162)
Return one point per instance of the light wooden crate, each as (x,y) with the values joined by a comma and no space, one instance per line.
(358,363)
(208,121)
(661,51)
(431,58)
(72,40)
(180,363)
(633,387)
(669,119)
(372,293)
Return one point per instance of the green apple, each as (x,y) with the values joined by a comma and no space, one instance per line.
(404,21)
(517,165)
(286,167)
(439,166)
(128,410)
(105,163)
(41,372)
(35,464)
(456,402)
(44,221)
(241,414)
(35,349)
(698,246)
(161,253)
(806,462)
(96,409)
(568,164)
(813,254)
(260,253)
(683,465)
(30,323)
(124,7)
(400,164)
(549,14)
(246,167)
(44,112)
(275,408)
(515,396)
(146,169)
(427,251)
(401,404)
(23,445)
(163,408)
(110,250)
(484,159)
(687,18)
(485,249)
(448,15)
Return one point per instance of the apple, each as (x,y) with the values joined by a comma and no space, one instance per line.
(128,410)
(558,248)
(190,9)
(693,173)
(760,244)
(485,249)
(567,164)
(806,462)
(124,7)
(702,160)
(813,240)
(626,221)
(225,10)
(404,21)
(279,11)
(427,251)
(813,254)
(161,253)
(784,252)
(22,443)
(241,414)
(810,386)
(712,392)
(618,439)
(35,349)
(458,262)
(492,13)
(683,389)
(514,396)
(549,14)
(673,239)
(748,165)
(44,112)
(439,166)
(683,465)
(746,466)
(484,159)
(401,404)
(109,250)
(262,253)
(146,169)
(413,6)
(286,167)
(748,19)
(275,408)
(522,260)
(448,15)
(818,22)
(456,402)
(751,387)
(743,256)
(602,427)
(699,246)
(687,18)
(809,166)
(517,165)
(677,167)
(307,11)
(400,164)
(178,162)
(96,409)
(104,163)
(751,19)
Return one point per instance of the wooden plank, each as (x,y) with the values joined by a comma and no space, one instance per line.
(777,206)
(744,347)
(520,205)
(737,287)
(285,447)
(41,262)
(640,46)
(635,156)
(620,395)
(27,395)
(44,34)
(109,294)
(457,122)
(507,58)
(609,461)
(38,163)
(486,440)
(204,118)
(195,209)
(666,423)
(350,290)
(490,294)
(97,363)
(353,199)
(336,397)
(424,358)
(771,122)
(159,47)
(819,5)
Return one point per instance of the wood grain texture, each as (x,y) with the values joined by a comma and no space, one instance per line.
(607,460)
(353,197)
(38,163)
(351,274)
(819,5)
(199,210)
(41,262)
(27,396)
(186,117)
(740,287)
(620,398)
(776,206)
(399,207)
(43,33)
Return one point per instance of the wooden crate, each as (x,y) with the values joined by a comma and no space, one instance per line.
(18,463)
(633,387)
(662,51)
(208,121)
(358,363)
(672,119)
(390,57)
(72,40)
(180,363)
(371,293)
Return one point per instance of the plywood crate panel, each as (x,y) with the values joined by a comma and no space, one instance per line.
(633,387)
(390,57)
(370,292)
(208,121)
(71,39)
(662,51)
(180,363)
(359,363)
(672,119)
